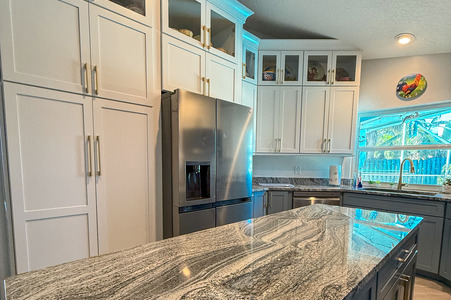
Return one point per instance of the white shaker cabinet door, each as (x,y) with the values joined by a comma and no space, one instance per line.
(290,119)
(121,55)
(342,119)
(314,119)
(50,155)
(222,76)
(183,66)
(45,43)
(267,119)
(124,161)
(249,98)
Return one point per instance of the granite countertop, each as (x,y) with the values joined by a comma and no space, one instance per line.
(315,252)
(346,188)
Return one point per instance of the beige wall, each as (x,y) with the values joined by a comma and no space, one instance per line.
(380,77)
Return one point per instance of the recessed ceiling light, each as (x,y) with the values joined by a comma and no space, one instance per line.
(404,38)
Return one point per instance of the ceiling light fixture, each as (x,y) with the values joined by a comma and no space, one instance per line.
(404,38)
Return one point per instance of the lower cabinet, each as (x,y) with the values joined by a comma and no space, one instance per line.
(81,175)
(445,262)
(279,201)
(259,204)
(431,229)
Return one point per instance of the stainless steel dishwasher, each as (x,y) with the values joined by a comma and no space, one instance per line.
(308,198)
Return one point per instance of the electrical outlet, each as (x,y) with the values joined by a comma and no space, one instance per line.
(297,170)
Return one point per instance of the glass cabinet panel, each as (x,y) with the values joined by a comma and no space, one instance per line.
(137,6)
(269,66)
(317,68)
(250,64)
(346,66)
(185,17)
(291,68)
(222,36)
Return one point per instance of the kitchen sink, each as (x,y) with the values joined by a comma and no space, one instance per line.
(391,191)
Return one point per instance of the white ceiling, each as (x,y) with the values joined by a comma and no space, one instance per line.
(369,25)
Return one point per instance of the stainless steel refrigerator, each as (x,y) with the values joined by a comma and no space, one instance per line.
(207,162)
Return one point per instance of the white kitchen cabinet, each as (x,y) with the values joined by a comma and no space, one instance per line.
(328,119)
(138,10)
(249,99)
(192,69)
(214,26)
(280,67)
(278,119)
(76,46)
(250,57)
(124,176)
(332,68)
(54,141)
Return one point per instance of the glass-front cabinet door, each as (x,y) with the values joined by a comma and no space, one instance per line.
(138,10)
(292,67)
(317,67)
(346,68)
(250,64)
(184,19)
(221,33)
(269,72)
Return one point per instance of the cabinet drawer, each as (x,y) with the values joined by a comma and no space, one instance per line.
(396,204)
(389,273)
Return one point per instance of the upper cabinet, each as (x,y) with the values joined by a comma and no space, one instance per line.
(280,67)
(214,26)
(250,57)
(78,47)
(138,10)
(332,68)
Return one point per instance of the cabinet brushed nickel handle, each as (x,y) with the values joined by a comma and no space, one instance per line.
(244,71)
(280,144)
(204,37)
(328,149)
(89,157)
(203,86)
(406,281)
(328,77)
(85,66)
(96,71)
(282,71)
(332,78)
(209,86)
(99,168)
(209,38)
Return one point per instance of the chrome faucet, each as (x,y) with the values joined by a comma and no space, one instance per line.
(412,170)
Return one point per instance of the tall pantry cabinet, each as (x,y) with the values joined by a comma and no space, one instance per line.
(78,95)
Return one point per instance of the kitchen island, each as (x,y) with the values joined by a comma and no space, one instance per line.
(315,252)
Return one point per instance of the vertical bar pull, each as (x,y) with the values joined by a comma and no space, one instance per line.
(99,165)
(328,148)
(209,86)
(85,66)
(209,45)
(204,33)
(244,71)
(89,157)
(328,77)
(96,71)
(332,77)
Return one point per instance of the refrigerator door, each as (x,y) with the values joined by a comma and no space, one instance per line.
(234,151)
(194,144)
(233,213)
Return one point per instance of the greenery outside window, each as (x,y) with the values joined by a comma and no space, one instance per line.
(423,135)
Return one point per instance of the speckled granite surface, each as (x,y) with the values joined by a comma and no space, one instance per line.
(315,252)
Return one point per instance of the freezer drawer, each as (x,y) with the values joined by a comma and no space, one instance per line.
(196,220)
(233,213)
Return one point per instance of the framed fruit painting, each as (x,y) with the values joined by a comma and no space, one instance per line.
(411,87)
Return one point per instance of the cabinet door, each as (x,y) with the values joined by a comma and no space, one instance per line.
(317,68)
(138,10)
(342,120)
(52,190)
(267,138)
(121,53)
(279,201)
(222,29)
(269,68)
(258,204)
(289,119)
(314,118)
(124,174)
(185,20)
(429,244)
(445,260)
(346,68)
(45,43)
(249,98)
(222,77)
(250,56)
(182,66)
(291,67)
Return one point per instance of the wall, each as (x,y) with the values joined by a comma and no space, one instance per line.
(380,77)
(311,166)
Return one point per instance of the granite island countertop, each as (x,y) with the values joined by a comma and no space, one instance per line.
(315,252)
